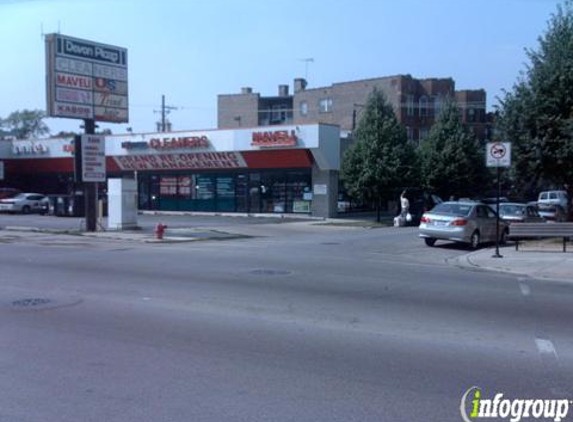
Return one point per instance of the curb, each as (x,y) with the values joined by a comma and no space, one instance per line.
(234,214)
(465,262)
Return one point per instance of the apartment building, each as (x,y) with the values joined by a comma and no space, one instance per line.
(416,103)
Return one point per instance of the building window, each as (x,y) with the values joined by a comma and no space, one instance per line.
(303,108)
(409,105)
(471,115)
(325,105)
(437,105)
(423,106)
(409,133)
(278,114)
(423,133)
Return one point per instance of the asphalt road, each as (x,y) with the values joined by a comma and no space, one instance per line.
(301,323)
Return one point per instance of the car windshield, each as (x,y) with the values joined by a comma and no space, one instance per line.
(453,208)
(511,210)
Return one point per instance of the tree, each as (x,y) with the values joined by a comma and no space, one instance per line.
(25,124)
(451,159)
(381,157)
(537,114)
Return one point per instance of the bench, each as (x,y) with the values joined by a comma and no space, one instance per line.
(541,230)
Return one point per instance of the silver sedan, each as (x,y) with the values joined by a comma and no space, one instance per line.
(465,222)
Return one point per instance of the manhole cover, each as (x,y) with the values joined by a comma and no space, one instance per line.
(27,303)
(267,271)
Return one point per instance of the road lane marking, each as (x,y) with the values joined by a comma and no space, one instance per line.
(545,347)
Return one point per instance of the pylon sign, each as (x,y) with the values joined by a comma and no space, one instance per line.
(498,154)
(86,80)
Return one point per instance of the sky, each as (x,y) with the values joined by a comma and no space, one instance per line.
(191,51)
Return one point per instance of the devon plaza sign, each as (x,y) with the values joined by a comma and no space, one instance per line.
(86,80)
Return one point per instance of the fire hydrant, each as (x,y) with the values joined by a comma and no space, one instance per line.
(160,231)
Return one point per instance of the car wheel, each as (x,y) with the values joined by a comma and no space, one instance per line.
(25,209)
(430,241)
(475,240)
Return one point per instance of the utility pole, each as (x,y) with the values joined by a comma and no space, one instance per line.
(165,110)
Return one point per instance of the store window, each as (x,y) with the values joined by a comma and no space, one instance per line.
(325,105)
(225,193)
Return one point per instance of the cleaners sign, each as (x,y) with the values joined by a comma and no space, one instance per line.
(86,80)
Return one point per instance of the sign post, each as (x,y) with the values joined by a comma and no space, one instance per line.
(498,154)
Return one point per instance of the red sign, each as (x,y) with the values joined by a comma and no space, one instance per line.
(179,143)
(69,148)
(200,160)
(73,81)
(278,138)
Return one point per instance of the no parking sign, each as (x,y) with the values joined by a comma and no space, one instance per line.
(498,154)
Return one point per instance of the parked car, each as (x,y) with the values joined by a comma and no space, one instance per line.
(493,200)
(468,222)
(6,193)
(514,212)
(553,205)
(23,202)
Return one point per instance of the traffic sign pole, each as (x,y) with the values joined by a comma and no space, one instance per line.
(90,188)
(497,254)
(498,154)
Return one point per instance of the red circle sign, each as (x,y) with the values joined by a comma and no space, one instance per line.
(497,151)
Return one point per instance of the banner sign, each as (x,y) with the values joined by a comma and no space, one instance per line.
(78,69)
(199,161)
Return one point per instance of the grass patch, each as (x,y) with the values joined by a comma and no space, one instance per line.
(384,222)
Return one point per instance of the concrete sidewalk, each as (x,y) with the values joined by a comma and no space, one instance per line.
(175,235)
(536,259)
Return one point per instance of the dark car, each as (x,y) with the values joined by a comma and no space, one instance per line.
(420,201)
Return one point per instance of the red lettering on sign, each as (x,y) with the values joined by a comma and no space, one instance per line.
(279,138)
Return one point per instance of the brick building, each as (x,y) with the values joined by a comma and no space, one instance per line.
(416,102)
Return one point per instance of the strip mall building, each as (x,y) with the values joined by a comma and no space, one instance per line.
(277,169)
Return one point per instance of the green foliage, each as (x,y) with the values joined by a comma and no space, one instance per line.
(25,124)
(381,157)
(451,159)
(537,115)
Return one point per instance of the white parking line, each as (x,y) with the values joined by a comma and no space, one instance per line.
(545,347)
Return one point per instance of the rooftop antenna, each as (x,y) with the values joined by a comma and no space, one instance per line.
(306,61)
(58,27)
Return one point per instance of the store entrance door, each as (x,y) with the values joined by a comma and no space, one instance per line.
(254,193)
